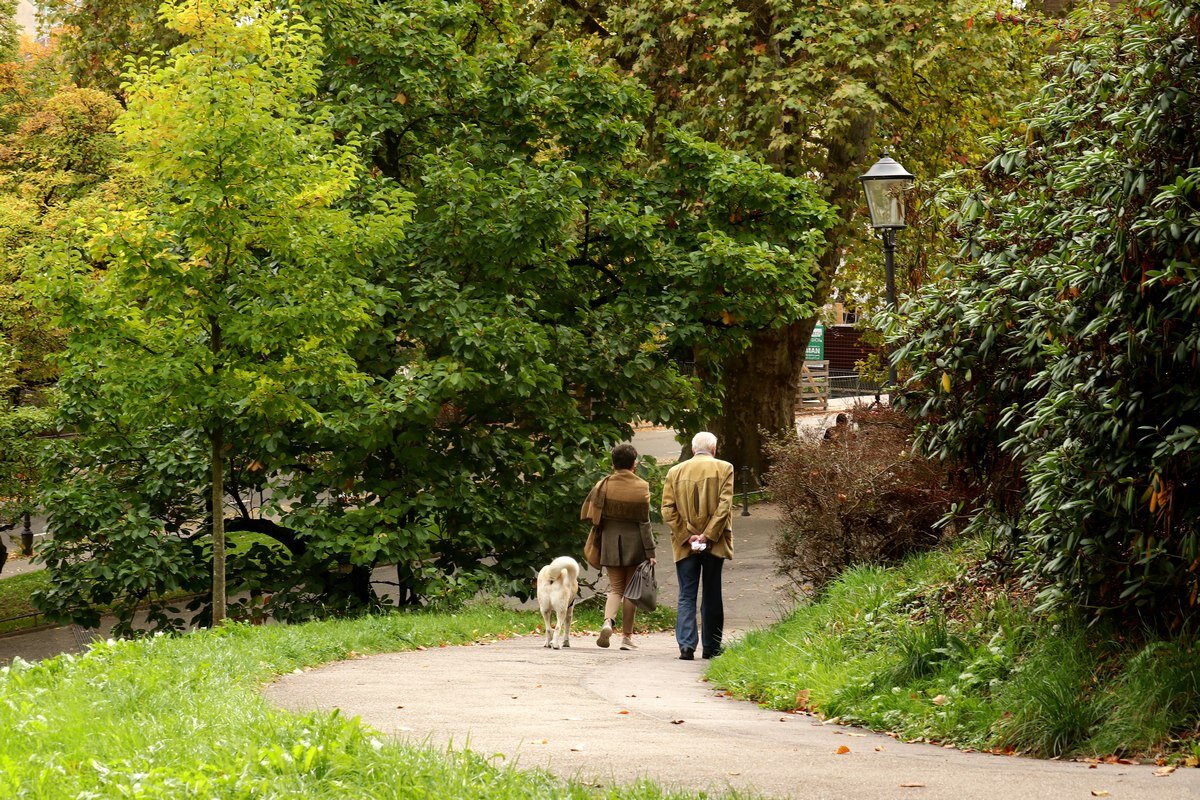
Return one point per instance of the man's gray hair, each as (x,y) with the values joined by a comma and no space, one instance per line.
(704,442)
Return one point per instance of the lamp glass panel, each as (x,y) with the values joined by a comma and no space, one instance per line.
(886,202)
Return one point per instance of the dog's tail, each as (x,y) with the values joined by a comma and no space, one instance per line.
(564,568)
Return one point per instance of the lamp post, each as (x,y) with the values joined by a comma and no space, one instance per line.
(883,184)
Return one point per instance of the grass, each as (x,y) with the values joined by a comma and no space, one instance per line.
(181,717)
(17,612)
(14,601)
(931,650)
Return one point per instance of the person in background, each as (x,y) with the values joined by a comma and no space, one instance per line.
(697,504)
(620,505)
(840,428)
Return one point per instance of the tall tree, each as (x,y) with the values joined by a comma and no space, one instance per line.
(814,89)
(550,275)
(228,289)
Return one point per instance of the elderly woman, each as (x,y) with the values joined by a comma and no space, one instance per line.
(619,505)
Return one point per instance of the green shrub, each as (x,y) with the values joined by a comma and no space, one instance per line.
(1057,359)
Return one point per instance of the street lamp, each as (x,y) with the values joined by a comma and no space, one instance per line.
(884,184)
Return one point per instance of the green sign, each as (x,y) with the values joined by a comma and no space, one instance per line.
(816,345)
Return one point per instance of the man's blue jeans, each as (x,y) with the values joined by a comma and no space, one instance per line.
(700,571)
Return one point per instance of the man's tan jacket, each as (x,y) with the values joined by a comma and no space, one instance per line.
(698,499)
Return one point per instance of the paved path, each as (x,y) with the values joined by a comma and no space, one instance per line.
(610,717)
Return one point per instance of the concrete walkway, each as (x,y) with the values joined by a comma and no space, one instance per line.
(610,717)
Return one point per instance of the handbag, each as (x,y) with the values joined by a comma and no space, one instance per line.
(591,548)
(642,588)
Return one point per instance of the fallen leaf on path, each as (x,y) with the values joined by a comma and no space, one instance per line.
(578,749)
(802,700)
(422,647)
(676,722)
(940,700)
(1093,766)
(544,741)
(1191,761)
(399,706)
(878,748)
(735,773)
(1099,793)
(912,786)
(622,711)
(859,735)
(1163,772)
(783,719)
(841,751)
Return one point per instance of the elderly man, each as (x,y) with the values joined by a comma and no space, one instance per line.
(697,504)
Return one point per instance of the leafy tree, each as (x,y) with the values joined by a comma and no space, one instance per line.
(1057,356)
(225,303)
(814,89)
(545,283)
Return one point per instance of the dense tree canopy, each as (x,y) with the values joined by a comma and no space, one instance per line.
(548,278)
(439,402)
(1060,351)
(815,89)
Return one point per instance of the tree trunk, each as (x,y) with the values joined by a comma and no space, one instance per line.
(218,489)
(761,383)
(218,526)
(760,395)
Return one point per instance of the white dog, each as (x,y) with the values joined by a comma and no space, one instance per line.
(557,585)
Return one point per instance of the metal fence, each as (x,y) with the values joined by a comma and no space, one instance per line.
(848,383)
